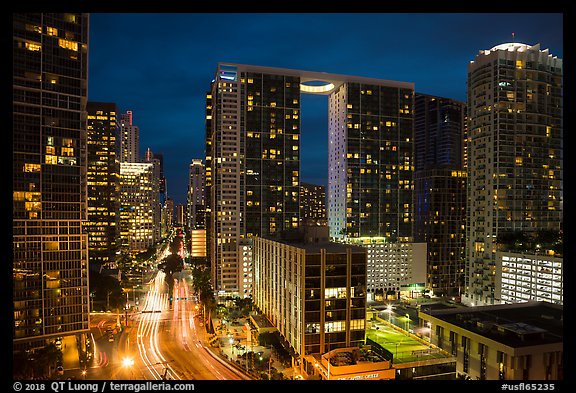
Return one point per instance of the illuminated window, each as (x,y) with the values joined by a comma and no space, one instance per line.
(68,44)
(33,46)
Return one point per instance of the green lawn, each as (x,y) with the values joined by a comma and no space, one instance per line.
(403,347)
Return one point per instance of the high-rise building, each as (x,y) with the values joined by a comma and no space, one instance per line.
(370,159)
(515,154)
(49,158)
(196,217)
(313,204)
(197,195)
(103,177)
(129,139)
(253,149)
(138,198)
(157,183)
(440,189)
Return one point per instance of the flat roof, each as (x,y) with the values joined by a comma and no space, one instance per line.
(310,76)
(515,325)
(314,248)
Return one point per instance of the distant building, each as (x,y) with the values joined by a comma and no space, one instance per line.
(138,198)
(158,182)
(521,341)
(103,177)
(129,139)
(180,215)
(515,170)
(313,204)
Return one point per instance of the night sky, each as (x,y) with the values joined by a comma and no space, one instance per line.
(160,65)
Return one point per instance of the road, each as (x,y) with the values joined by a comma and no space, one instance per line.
(161,341)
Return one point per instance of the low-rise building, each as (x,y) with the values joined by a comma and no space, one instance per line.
(522,341)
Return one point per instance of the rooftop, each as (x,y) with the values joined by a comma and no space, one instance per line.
(515,325)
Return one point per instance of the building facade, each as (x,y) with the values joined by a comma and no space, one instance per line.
(394,269)
(521,341)
(129,138)
(49,158)
(522,277)
(314,293)
(253,151)
(138,199)
(370,159)
(196,195)
(103,178)
(440,189)
(313,204)
(515,155)
(158,182)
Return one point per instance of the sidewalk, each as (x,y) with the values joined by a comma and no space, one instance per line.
(228,336)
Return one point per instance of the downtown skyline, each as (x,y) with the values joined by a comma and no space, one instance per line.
(164,82)
(408,163)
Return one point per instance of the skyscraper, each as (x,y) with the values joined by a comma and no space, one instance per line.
(160,230)
(253,148)
(313,204)
(103,177)
(50,247)
(138,199)
(197,195)
(440,189)
(370,159)
(515,154)
(129,139)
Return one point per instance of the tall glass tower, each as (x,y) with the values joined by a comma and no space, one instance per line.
(253,160)
(49,155)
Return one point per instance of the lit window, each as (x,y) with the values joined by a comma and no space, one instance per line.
(33,47)
(68,44)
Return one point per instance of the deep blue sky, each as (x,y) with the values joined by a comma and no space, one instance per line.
(159,65)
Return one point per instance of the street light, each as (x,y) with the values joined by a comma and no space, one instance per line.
(128,363)
(389,311)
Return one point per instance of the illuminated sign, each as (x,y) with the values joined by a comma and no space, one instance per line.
(228,73)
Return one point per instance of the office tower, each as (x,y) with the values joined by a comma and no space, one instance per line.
(129,139)
(440,189)
(314,292)
(313,204)
(197,195)
(160,231)
(103,177)
(49,155)
(168,213)
(159,158)
(180,215)
(515,155)
(196,219)
(138,198)
(252,147)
